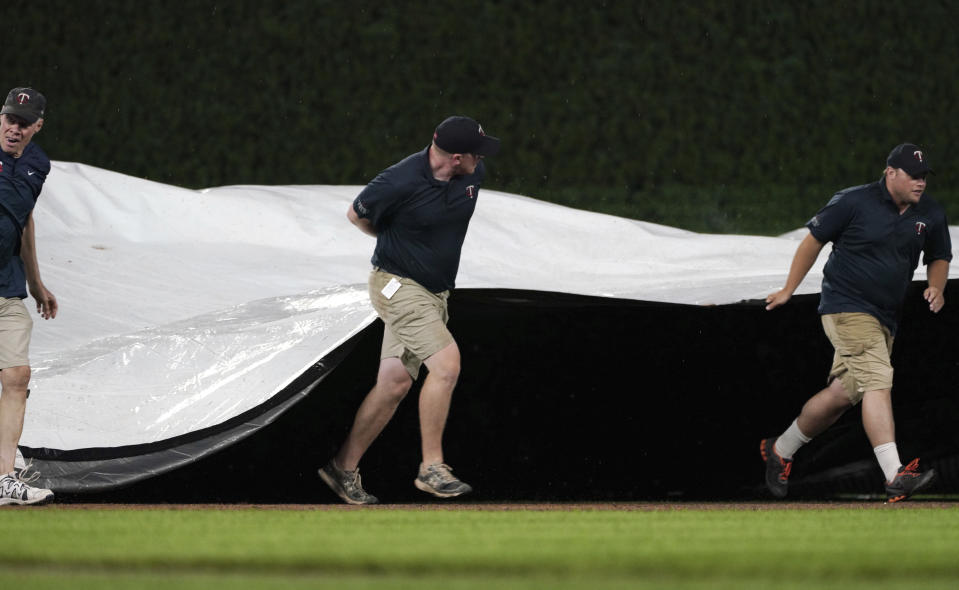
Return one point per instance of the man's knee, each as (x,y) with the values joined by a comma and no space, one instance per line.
(840,393)
(15,380)
(393,380)
(878,395)
(445,364)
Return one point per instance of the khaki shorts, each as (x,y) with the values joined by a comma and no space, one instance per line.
(15,328)
(415,320)
(863,346)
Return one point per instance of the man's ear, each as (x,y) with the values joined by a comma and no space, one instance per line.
(39,124)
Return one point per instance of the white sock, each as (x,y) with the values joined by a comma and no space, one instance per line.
(888,457)
(790,441)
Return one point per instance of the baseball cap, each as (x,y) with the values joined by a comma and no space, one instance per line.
(910,158)
(462,135)
(26,103)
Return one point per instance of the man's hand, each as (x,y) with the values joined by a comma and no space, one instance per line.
(778,298)
(46,303)
(935,298)
(805,257)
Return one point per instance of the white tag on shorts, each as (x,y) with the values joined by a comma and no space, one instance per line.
(391,287)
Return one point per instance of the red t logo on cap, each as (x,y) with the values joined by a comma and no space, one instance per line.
(23,97)
(918,155)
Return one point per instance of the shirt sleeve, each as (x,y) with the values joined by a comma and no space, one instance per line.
(378,200)
(938,244)
(31,171)
(9,196)
(830,221)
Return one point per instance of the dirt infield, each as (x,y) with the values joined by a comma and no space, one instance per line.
(537,506)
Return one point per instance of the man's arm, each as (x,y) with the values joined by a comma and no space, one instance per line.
(937,272)
(365,225)
(46,302)
(806,255)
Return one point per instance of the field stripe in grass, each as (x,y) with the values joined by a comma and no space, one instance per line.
(845,543)
(165,579)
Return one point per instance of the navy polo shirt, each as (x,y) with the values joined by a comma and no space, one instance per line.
(875,249)
(21,180)
(420,222)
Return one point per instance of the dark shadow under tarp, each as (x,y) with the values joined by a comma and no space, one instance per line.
(566,397)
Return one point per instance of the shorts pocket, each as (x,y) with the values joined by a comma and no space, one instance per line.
(852,349)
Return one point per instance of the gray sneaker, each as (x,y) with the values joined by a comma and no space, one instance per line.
(15,491)
(438,479)
(346,484)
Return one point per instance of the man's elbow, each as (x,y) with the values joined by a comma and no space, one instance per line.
(811,246)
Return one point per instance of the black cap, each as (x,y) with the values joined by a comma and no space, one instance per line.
(462,135)
(910,158)
(26,103)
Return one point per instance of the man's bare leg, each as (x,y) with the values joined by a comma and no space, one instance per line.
(823,409)
(393,382)
(435,398)
(435,477)
(13,405)
(877,418)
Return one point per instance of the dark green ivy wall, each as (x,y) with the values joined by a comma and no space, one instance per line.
(747,113)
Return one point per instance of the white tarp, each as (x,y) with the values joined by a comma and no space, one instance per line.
(180,309)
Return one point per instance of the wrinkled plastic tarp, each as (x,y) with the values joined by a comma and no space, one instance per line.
(185,314)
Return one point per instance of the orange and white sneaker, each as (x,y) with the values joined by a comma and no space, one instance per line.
(908,481)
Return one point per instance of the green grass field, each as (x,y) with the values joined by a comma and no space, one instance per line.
(850,546)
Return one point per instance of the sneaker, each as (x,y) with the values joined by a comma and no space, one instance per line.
(23,469)
(18,461)
(777,468)
(908,481)
(14,491)
(438,479)
(346,484)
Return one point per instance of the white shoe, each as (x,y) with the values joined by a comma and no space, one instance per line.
(18,463)
(23,469)
(15,491)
